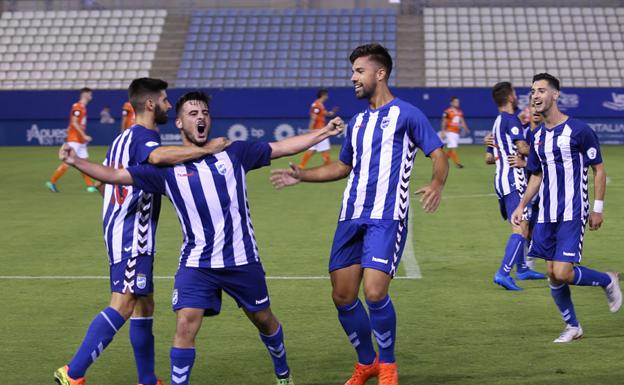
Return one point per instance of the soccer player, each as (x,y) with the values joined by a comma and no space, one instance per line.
(563,148)
(378,155)
(77,138)
(127,116)
(317,120)
(130,217)
(452,124)
(219,251)
(509,183)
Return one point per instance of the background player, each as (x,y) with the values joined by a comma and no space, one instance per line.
(130,216)
(452,124)
(77,138)
(563,149)
(127,116)
(378,154)
(219,251)
(317,120)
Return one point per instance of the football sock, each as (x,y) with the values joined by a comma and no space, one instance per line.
(275,345)
(521,263)
(515,247)
(383,322)
(326,158)
(356,324)
(181,364)
(58,173)
(99,335)
(306,158)
(563,299)
(88,180)
(584,276)
(142,341)
(453,155)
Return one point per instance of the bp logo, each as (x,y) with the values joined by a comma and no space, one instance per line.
(174,297)
(141,281)
(592,153)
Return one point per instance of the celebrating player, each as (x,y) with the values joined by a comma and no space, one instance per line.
(317,120)
(77,138)
(509,183)
(219,251)
(378,154)
(127,116)
(130,216)
(452,124)
(562,150)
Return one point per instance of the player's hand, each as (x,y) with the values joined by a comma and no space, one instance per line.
(595,221)
(517,216)
(67,154)
(335,126)
(88,138)
(431,197)
(442,135)
(516,161)
(488,140)
(217,145)
(285,177)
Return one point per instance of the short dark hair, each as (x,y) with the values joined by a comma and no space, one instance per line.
(193,95)
(321,92)
(500,93)
(453,98)
(552,81)
(377,52)
(85,89)
(141,88)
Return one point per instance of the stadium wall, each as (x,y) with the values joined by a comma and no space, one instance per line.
(40,118)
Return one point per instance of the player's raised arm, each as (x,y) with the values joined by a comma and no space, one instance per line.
(281,178)
(296,144)
(432,193)
(102,173)
(172,155)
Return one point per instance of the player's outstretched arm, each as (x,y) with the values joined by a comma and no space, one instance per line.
(172,155)
(432,193)
(281,178)
(102,173)
(529,193)
(296,144)
(600,187)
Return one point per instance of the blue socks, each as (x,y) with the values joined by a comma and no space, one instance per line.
(383,322)
(142,341)
(100,333)
(277,350)
(514,252)
(357,325)
(563,299)
(584,276)
(181,364)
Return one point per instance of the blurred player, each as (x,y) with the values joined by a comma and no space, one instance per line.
(378,154)
(130,217)
(509,183)
(317,120)
(127,116)
(452,124)
(77,138)
(563,149)
(219,251)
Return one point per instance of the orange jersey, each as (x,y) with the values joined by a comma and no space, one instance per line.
(79,112)
(453,118)
(127,112)
(318,109)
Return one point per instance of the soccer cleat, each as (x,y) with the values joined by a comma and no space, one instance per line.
(92,189)
(388,374)
(363,373)
(158,382)
(459,165)
(569,334)
(52,187)
(62,378)
(614,293)
(286,381)
(506,281)
(529,274)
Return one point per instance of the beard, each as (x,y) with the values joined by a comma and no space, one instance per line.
(160,115)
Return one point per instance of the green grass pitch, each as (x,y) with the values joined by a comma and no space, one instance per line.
(454,325)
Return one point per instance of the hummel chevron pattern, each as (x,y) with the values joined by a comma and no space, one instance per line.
(96,353)
(403,200)
(129,276)
(179,375)
(383,340)
(145,209)
(353,338)
(277,352)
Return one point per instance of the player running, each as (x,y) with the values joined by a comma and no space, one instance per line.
(378,155)
(317,120)
(130,216)
(562,150)
(452,124)
(219,251)
(127,116)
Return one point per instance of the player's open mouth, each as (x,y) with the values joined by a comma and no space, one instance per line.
(201,127)
(358,87)
(538,103)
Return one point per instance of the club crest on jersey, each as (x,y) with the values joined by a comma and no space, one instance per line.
(174,297)
(141,281)
(515,130)
(385,122)
(221,169)
(592,153)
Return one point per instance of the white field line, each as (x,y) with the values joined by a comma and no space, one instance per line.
(412,270)
(103,277)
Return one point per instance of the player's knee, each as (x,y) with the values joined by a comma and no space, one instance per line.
(265,321)
(144,307)
(186,328)
(375,293)
(343,297)
(561,275)
(123,304)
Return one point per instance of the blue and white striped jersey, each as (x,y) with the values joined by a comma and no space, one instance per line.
(210,198)
(130,215)
(507,130)
(381,145)
(563,154)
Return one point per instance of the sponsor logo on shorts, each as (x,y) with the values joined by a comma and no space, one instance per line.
(115,283)
(565,253)
(379,260)
(141,281)
(174,297)
(129,248)
(261,301)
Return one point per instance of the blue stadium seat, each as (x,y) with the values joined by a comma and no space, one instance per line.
(194,74)
(183,73)
(193,28)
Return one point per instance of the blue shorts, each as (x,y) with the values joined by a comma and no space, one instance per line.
(372,243)
(509,203)
(134,275)
(562,241)
(201,288)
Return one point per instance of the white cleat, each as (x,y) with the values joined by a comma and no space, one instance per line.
(614,293)
(569,334)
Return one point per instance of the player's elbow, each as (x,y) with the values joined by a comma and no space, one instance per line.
(157,158)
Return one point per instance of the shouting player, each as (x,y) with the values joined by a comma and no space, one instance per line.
(317,120)
(452,124)
(378,155)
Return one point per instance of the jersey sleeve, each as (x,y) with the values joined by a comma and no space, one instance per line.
(514,129)
(148,178)
(252,155)
(145,144)
(346,151)
(422,133)
(590,146)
